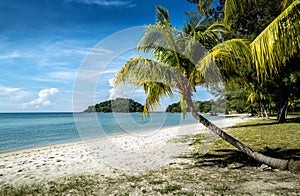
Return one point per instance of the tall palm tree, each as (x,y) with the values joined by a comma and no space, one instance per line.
(177,65)
(276,44)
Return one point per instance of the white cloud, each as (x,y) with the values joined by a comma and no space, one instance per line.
(125,91)
(12,93)
(111,82)
(106,3)
(110,71)
(8,89)
(43,98)
(120,92)
(16,54)
(62,49)
(63,75)
(9,56)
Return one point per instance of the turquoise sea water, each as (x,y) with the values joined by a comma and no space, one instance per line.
(30,130)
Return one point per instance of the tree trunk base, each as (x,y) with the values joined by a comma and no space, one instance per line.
(281,117)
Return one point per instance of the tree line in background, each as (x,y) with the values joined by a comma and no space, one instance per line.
(200,106)
(273,92)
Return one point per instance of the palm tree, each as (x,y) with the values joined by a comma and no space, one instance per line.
(278,43)
(257,95)
(280,39)
(177,66)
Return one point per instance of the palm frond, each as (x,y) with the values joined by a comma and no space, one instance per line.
(230,9)
(256,96)
(207,38)
(158,36)
(281,39)
(193,50)
(233,7)
(155,91)
(203,6)
(162,15)
(218,27)
(286,3)
(227,57)
(140,70)
(207,35)
(196,78)
(158,39)
(196,23)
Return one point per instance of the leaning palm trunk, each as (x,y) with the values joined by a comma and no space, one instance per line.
(273,162)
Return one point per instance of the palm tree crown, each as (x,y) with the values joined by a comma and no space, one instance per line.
(174,63)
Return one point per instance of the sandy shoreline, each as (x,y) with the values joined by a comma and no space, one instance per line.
(111,156)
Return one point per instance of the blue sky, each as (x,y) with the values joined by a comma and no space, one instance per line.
(45,43)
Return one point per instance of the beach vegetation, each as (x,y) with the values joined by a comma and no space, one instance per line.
(156,182)
(180,63)
(200,106)
(269,91)
(169,188)
(237,99)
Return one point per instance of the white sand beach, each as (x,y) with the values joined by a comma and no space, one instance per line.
(111,156)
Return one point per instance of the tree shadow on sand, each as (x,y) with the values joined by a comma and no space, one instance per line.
(237,160)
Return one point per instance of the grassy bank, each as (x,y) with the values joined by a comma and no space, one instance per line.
(214,168)
(263,135)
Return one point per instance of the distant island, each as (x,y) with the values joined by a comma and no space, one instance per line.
(116,105)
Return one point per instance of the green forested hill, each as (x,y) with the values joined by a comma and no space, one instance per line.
(200,106)
(117,105)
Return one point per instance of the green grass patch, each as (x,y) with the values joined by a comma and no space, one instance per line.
(169,188)
(76,184)
(263,135)
(155,182)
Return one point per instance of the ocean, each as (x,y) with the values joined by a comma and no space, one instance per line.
(30,130)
